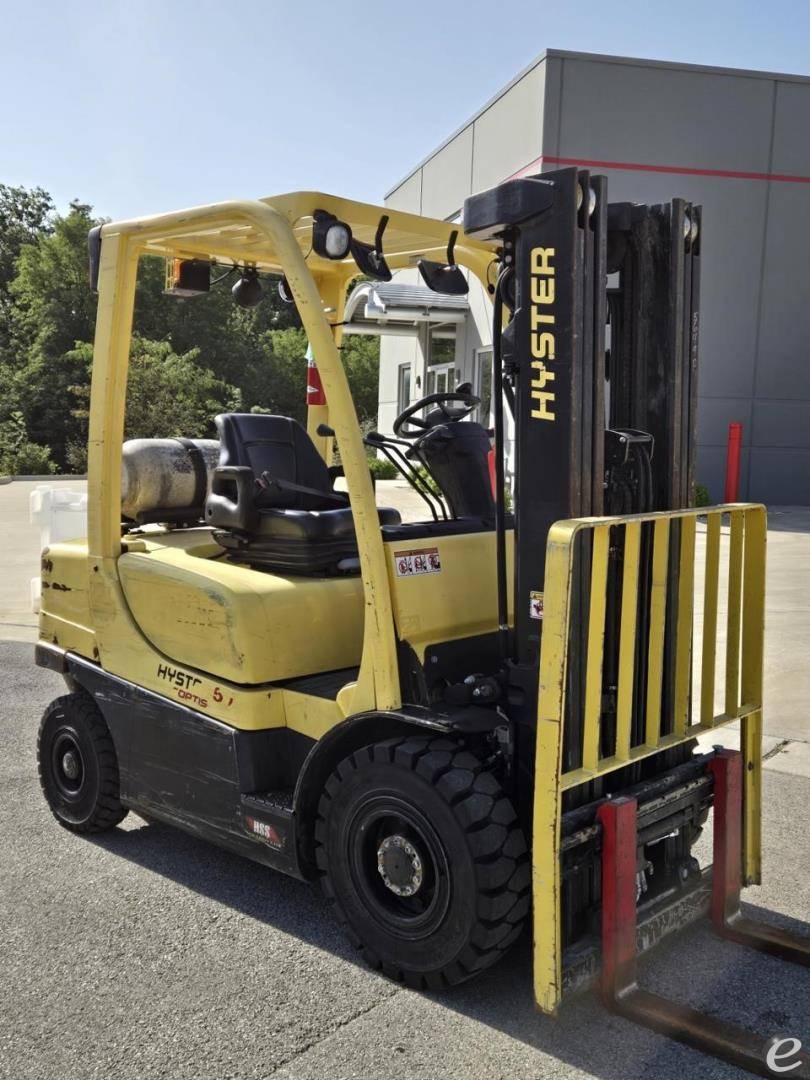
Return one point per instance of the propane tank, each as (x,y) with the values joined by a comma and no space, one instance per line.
(161,474)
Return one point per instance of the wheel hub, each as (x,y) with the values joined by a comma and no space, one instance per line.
(400,866)
(70,765)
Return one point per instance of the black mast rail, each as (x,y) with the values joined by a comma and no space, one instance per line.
(596,430)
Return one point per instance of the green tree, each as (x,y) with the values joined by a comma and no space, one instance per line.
(24,216)
(230,339)
(53,309)
(274,380)
(168,394)
(361,359)
(255,356)
(18,455)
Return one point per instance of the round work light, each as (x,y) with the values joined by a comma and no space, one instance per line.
(247,292)
(331,239)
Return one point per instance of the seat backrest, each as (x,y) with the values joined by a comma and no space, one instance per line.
(279,446)
(458,458)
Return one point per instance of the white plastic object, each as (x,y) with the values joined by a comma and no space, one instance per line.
(61,515)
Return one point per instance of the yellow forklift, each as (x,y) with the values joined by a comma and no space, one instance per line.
(460,725)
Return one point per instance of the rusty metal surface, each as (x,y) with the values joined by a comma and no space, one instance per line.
(656,921)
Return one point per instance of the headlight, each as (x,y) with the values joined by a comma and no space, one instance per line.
(331,239)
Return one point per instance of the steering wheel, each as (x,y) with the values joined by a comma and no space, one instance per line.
(410,426)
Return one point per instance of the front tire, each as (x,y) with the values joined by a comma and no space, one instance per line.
(78,767)
(424,858)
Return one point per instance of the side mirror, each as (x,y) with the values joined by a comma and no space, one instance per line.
(369,257)
(446,277)
(443,278)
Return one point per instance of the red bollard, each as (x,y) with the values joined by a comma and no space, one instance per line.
(491,466)
(733,463)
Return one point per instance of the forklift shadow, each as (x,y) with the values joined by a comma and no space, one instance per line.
(694,966)
(792,519)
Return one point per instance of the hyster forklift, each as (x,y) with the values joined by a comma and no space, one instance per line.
(456,725)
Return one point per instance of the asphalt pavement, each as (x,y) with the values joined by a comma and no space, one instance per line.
(148,953)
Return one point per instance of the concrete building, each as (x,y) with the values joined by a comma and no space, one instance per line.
(736,141)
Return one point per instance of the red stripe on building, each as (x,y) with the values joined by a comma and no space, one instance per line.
(680,170)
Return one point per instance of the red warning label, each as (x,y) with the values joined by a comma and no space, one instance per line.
(418,561)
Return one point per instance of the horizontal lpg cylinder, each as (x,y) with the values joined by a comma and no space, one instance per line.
(162,474)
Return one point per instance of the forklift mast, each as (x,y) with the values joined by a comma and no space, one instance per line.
(597,362)
(597,429)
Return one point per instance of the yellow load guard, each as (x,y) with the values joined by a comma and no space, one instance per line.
(673,575)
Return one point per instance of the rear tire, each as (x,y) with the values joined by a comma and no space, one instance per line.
(78,767)
(423,856)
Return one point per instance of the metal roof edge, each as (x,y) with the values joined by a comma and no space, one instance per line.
(678,65)
(601,58)
(463,127)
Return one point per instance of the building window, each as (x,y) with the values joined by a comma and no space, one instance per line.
(483,385)
(403,387)
(442,376)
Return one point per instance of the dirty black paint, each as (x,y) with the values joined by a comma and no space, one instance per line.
(187,769)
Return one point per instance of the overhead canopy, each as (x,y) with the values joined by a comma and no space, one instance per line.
(229,231)
(390,308)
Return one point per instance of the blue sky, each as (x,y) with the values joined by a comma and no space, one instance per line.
(152,105)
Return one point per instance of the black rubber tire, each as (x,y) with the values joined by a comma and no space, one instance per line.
(90,803)
(481,848)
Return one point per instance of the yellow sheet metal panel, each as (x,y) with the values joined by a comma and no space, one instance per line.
(627,639)
(65,593)
(547,926)
(655,645)
(444,588)
(753,634)
(66,621)
(239,624)
(710,594)
(683,632)
(596,647)
(733,623)
(311,716)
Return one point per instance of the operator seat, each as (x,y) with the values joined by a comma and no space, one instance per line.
(272,502)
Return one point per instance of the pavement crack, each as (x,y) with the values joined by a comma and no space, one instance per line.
(334,1030)
(780,746)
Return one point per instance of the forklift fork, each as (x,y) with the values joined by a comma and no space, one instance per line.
(727,919)
(620,990)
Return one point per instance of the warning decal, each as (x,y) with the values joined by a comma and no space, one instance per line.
(418,561)
(535,605)
(269,833)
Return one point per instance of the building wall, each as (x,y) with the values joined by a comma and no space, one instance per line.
(658,131)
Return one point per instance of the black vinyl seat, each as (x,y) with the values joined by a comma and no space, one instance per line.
(272,500)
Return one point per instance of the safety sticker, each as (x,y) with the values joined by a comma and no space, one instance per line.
(269,833)
(418,561)
(535,605)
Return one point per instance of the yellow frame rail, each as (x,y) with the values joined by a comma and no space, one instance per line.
(670,576)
